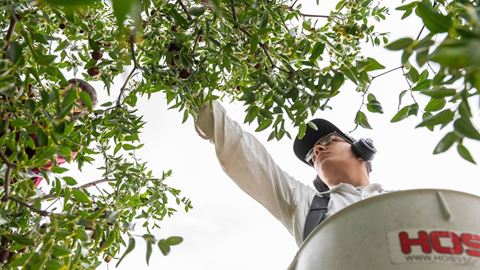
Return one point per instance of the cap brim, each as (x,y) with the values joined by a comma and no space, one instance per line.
(323,127)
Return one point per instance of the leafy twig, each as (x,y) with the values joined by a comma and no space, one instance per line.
(6,161)
(184,9)
(234,14)
(292,5)
(199,32)
(94,183)
(87,185)
(315,15)
(409,86)
(38,211)
(8,173)
(135,66)
(13,21)
(420,33)
(386,72)
(367,90)
(262,45)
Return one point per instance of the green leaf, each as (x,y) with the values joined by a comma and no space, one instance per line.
(174,240)
(405,112)
(312,126)
(423,84)
(86,100)
(373,104)
(18,123)
(149,250)
(80,196)
(433,20)
(440,92)
(464,153)
(337,81)
(70,180)
(264,124)
(369,64)
(128,147)
(121,8)
(196,11)
(435,104)
(464,109)
(445,143)
(362,120)
(413,75)
(422,56)
(301,130)
(349,73)
(444,117)
(164,247)
(179,19)
(62,45)
(317,51)
(131,246)
(59,251)
(22,240)
(399,44)
(253,43)
(45,60)
(71,2)
(117,148)
(465,127)
(68,101)
(252,114)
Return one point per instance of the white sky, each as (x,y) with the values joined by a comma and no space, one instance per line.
(227,229)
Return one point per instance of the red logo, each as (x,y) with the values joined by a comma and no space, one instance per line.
(442,242)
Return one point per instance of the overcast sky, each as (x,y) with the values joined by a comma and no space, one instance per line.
(227,229)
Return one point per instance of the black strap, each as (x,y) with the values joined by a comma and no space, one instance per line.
(317,212)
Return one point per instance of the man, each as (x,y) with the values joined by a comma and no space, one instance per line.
(246,161)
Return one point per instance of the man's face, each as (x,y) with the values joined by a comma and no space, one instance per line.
(333,159)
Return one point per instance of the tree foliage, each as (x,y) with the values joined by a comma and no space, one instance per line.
(283,64)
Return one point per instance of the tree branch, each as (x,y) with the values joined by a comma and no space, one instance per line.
(6,161)
(199,32)
(420,33)
(262,45)
(292,5)
(184,9)
(94,183)
(315,15)
(13,21)
(38,211)
(386,72)
(234,14)
(8,173)
(87,185)
(135,66)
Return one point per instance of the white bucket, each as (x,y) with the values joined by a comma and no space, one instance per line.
(422,229)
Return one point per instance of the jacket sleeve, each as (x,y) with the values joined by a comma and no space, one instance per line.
(247,163)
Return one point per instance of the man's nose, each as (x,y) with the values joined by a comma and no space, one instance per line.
(318,149)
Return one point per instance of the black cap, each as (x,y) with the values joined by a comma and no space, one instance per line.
(323,127)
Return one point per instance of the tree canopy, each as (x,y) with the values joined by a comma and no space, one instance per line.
(282,64)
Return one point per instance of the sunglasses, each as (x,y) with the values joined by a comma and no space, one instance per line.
(324,140)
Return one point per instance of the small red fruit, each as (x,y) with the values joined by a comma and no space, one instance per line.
(4,256)
(174,47)
(93,71)
(97,55)
(184,73)
(107,258)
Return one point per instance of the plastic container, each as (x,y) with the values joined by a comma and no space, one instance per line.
(423,229)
